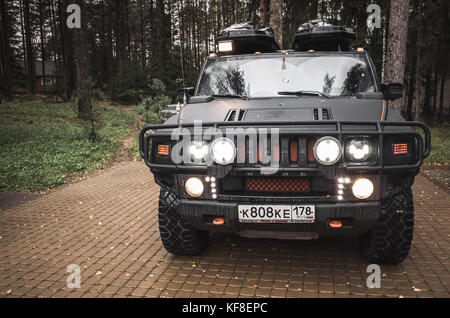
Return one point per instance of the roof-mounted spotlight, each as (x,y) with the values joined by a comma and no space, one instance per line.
(225,46)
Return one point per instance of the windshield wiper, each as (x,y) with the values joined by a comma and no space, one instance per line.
(230,96)
(303,93)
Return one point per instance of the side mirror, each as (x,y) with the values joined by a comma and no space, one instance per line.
(392,91)
(188,91)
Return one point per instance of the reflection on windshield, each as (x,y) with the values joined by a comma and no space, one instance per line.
(263,77)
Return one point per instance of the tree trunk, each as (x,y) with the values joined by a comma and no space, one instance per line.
(82,66)
(396,49)
(411,88)
(42,36)
(417,73)
(435,90)
(31,68)
(5,62)
(22,31)
(263,12)
(66,38)
(441,94)
(120,30)
(426,108)
(143,48)
(276,19)
(109,51)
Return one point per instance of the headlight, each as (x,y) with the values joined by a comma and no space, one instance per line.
(327,150)
(362,188)
(359,150)
(198,149)
(194,187)
(223,151)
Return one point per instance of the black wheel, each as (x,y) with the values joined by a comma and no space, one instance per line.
(390,240)
(178,237)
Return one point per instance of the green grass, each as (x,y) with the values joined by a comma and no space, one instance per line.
(134,149)
(440,145)
(44,145)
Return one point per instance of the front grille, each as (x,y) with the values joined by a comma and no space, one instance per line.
(274,184)
(289,151)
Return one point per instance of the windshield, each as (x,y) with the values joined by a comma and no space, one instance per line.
(340,75)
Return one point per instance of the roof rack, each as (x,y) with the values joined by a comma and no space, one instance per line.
(245,38)
(323,35)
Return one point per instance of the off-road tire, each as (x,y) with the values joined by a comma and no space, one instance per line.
(178,237)
(390,240)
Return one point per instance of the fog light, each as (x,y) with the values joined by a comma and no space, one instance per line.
(194,187)
(362,188)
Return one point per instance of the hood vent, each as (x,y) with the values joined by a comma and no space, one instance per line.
(235,115)
(321,114)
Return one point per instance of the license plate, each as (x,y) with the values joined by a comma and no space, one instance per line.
(276,213)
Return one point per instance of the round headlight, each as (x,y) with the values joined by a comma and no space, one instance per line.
(198,149)
(194,187)
(223,151)
(327,150)
(362,188)
(359,150)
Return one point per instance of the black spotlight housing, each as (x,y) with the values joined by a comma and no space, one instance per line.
(323,35)
(245,38)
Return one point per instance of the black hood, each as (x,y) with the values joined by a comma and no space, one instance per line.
(286,109)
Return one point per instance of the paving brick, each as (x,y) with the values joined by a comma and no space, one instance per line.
(113,236)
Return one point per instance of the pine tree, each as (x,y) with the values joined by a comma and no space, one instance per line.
(396,48)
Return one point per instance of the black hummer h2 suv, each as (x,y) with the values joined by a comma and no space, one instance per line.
(288,144)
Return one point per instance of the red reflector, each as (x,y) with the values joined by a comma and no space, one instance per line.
(400,149)
(335,224)
(218,221)
(163,150)
(293,150)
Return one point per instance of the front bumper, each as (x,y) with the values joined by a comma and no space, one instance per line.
(357,217)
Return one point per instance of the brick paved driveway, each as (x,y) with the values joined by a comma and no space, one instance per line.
(107,224)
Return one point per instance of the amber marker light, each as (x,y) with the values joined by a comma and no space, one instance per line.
(400,149)
(163,150)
